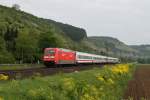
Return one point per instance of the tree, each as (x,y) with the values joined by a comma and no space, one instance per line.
(47,40)
(16,6)
(5,56)
(10,36)
(2,44)
(26,46)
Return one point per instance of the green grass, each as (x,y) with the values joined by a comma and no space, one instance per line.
(74,86)
(21,66)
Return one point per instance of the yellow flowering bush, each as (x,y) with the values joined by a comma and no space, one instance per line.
(105,80)
(3,77)
(121,68)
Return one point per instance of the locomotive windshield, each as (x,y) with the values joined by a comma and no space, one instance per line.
(51,52)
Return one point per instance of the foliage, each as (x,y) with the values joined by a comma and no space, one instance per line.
(26,46)
(24,36)
(143,60)
(74,33)
(6,57)
(97,84)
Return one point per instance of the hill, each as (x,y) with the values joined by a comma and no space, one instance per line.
(143,49)
(23,37)
(144,53)
(113,47)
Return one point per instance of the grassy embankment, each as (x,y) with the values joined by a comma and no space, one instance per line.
(20,66)
(107,83)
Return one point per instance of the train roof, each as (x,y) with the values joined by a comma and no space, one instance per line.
(67,50)
(88,54)
(83,53)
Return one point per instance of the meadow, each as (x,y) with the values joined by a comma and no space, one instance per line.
(107,83)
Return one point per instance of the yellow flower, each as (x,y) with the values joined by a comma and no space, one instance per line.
(100,78)
(1,98)
(110,81)
(121,69)
(86,96)
(3,77)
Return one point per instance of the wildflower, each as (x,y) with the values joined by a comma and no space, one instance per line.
(86,96)
(1,98)
(3,77)
(120,69)
(110,81)
(100,78)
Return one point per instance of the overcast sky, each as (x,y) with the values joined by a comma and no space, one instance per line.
(127,20)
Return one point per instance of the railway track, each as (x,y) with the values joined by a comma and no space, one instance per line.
(25,73)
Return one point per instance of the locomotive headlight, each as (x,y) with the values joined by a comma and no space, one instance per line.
(51,56)
(46,57)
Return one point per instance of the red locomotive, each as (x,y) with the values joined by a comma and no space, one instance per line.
(60,56)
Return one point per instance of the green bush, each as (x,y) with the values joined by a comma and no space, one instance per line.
(6,58)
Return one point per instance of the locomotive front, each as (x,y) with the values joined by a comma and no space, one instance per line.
(49,56)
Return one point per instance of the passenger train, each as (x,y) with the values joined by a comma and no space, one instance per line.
(60,56)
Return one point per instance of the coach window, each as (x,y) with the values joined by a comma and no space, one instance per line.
(50,52)
(79,56)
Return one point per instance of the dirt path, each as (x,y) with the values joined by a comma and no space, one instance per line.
(139,87)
